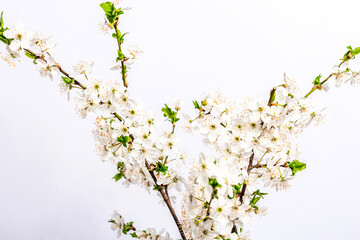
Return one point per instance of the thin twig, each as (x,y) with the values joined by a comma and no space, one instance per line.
(243,189)
(123,72)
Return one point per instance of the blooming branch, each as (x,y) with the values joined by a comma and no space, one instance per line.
(253,140)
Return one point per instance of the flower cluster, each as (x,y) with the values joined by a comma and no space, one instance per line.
(18,39)
(254,143)
(132,144)
(118,224)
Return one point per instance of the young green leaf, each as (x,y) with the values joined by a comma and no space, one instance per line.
(170,114)
(356,51)
(214,183)
(30,55)
(297,166)
(196,104)
(122,37)
(161,168)
(254,200)
(110,11)
(236,190)
(1,21)
(124,140)
(128,227)
(351,53)
(121,56)
(118,176)
(108,7)
(116,35)
(67,80)
(4,39)
(272,96)
(120,165)
(258,193)
(317,80)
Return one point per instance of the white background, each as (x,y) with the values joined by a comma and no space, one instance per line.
(53,186)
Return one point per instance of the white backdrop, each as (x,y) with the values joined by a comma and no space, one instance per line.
(53,186)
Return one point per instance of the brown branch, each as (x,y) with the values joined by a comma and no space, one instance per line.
(42,57)
(285,165)
(76,82)
(243,189)
(165,196)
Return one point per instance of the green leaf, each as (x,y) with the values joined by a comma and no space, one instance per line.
(67,80)
(30,55)
(120,166)
(117,12)
(1,21)
(356,51)
(351,53)
(196,104)
(229,197)
(297,166)
(122,37)
(156,187)
(118,176)
(4,39)
(121,56)
(124,140)
(108,7)
(214,183)
(236,190)
(272,96)
(110,11)
(133,235)
(118,33)
(254,200)
(258,193)
(317,80)
(170,114)
(128,227)
(161,168)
